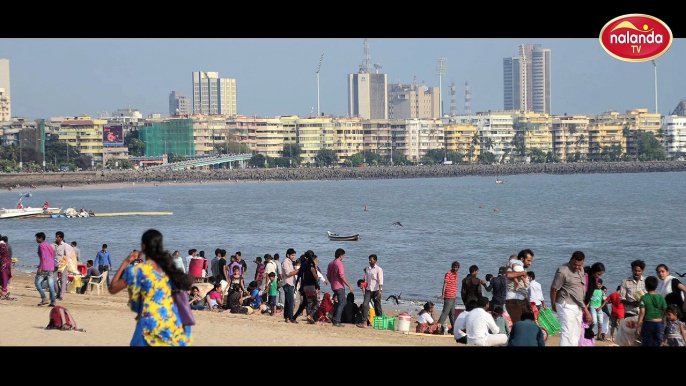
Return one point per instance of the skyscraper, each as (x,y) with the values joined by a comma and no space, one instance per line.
(527,80)
(5,100)
(213,95)
(178,104)
(367,91)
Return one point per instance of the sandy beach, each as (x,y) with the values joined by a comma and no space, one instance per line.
(107,321)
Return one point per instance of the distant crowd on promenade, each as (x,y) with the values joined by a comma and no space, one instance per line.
(643,310)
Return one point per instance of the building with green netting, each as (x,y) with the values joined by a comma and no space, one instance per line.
(174,135)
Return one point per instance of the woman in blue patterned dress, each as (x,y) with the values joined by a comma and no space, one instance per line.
(150,294)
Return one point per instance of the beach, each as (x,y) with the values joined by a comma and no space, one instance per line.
(107,321)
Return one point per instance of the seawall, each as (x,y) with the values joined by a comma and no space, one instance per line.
(306,173)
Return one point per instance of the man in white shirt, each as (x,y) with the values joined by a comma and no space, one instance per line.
(480,326)
(460,334)
(374,277)
(535,291)
(178,261)
(191,255)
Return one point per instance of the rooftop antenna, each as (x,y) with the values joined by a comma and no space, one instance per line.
(366,66)
(377,67)
(318,69)
(441,68)
(467,100)
(453,102)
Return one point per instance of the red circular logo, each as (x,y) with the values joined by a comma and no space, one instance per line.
(636,38)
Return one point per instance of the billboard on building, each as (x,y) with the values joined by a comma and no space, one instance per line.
(113,136)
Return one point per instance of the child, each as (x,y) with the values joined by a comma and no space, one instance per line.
(675,336)
(595,307)
(362,284)
(259,272)
(517,266)
(652,307)
(500,320)
(273,290)
(255,298)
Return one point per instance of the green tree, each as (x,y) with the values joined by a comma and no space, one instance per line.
(399,158)
(122,162)
(136,147)
(487,157)
(257,160)
(172,158)
(538,156)
(84,161)
(649,148)
(354,159)
(61,153)
(326,157)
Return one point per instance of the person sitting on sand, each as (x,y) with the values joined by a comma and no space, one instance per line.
(426,320)
(215,298)
(351,312)
(236,299)
(325,309)
(195,300)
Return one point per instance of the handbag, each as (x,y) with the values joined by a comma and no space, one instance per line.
(181,299)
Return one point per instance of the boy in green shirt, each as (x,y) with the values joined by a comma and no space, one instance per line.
(272,289)
(652,308)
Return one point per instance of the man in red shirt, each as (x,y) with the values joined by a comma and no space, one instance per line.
(617,314)
(448,294)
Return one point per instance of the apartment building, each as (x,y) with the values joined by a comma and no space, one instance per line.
(570,136)
(348,138)
(675,135)
(84,133)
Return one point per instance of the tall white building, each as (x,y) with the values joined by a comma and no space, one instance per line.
(675,134)
(178,104)
(213,95)
(527,80)
(367,91)
(5,100)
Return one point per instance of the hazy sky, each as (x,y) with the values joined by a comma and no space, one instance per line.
(277,76)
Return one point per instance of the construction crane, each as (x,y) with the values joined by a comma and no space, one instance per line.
(318,70)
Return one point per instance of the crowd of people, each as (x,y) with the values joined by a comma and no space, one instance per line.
(644,310)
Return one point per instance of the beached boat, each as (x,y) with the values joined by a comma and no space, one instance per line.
(337,237)
(27,212)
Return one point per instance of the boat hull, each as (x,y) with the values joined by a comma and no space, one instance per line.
(336,237)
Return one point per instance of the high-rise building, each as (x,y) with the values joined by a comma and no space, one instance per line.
(213,95)
(413,101)
(367,91)
(178,104)
(5,100)
(527,80)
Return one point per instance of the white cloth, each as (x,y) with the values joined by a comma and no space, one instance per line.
(481,329)
(425,318)
(664,287)
(569,315)
(535,292)
(178,261)
(456,330)
(270,266)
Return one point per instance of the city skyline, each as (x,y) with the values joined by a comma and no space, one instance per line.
(88,76)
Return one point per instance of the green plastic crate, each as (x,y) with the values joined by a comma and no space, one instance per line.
(547,320)
(384,323)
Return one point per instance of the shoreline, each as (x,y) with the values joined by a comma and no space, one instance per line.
(113,179)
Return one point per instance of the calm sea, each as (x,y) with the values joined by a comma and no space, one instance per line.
(613,218)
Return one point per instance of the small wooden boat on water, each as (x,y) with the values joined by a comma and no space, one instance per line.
(337,237)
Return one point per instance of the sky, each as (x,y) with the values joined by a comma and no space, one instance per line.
(70,76)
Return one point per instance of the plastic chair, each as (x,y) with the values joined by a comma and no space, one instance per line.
(97,285)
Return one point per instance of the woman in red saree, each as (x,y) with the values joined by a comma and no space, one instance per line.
(325,309)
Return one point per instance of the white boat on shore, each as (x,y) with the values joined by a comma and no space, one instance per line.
(27,212)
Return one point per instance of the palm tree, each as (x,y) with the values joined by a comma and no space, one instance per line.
(475,142)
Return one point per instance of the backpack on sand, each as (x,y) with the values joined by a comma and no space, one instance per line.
(61,319)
